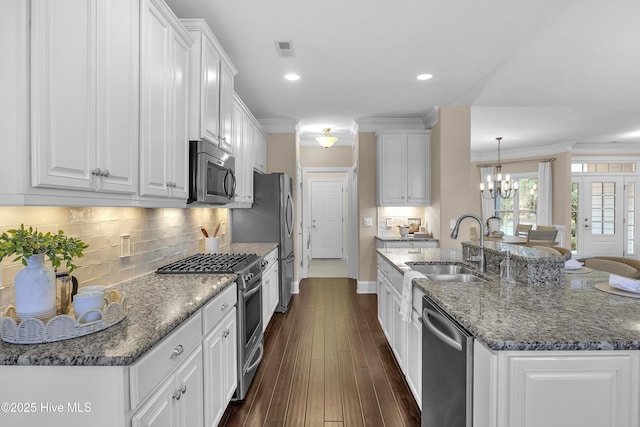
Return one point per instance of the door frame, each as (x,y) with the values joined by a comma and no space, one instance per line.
(350,205)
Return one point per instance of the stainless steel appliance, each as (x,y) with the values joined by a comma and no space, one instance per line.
(211,174)
(270,219)
(248,267)
(447,370)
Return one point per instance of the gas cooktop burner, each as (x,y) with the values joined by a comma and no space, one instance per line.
(209,263)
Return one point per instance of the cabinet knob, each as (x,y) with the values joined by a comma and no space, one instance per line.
(224,306)
(177,394)
(96,172)
(183,389)
(177,351)
(105,173)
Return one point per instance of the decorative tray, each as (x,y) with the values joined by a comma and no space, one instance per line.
(62,326)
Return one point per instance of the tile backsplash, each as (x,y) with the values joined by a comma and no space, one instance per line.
(158,236)
(389,218)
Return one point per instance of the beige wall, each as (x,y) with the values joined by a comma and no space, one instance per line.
(367,206)
(158,236)
(451,170)
(336,157)
(281,153)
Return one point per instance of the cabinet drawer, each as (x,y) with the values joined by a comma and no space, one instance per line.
(157,363)
(218,307)
(271,258)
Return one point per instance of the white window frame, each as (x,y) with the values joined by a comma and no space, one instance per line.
(516,204)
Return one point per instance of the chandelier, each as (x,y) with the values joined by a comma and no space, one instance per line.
(496,186)
(326,140)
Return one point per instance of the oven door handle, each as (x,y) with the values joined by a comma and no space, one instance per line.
(252,291)
(451,342)
(257,362)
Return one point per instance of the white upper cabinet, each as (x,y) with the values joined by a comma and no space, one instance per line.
(165,50)
(404,168)
(259,150)
(211,87)
(84,94)
(242,137)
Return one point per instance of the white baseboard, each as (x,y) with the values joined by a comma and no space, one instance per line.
(367,287)
(295,287)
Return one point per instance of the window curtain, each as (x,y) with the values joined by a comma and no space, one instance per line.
(544,194)
(488,205)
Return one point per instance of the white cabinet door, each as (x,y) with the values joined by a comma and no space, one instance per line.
(392,172)
(85,95)
(189,379)
(179,400)
(385,306)
(165,48)
(555,390)
(398,334)
(226,106)
(220,368)
(242,135)
(404,169)
(418,170)
(259,150)
(414,356)
(210,93)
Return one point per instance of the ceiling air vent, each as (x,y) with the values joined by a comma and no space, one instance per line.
(285,49)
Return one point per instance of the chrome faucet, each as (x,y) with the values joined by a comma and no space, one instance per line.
(454,235)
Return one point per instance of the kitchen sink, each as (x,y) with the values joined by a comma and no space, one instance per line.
(439,268)
(466,278)
(446,272)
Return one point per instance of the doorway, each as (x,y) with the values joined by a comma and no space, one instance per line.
(328,233)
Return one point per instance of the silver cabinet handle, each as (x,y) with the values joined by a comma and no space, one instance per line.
(225,333)
(96,172)
(183,389)
(177,351)
(105,173)
(177,394)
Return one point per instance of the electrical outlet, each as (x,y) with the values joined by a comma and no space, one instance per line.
(367,222)
(125,245)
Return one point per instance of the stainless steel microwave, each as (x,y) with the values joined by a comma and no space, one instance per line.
(211,174)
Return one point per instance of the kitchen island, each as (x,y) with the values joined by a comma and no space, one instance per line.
(109,378)
(544,355)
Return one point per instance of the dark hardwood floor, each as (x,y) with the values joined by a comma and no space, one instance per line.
(326,363)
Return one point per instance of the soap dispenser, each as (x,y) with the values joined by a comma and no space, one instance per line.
(506,272)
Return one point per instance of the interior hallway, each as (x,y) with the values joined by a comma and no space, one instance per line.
(319,267)
(326,363)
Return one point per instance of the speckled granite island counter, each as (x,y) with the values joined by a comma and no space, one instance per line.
(544,355)
(517,316)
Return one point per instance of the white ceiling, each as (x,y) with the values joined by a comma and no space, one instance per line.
(542,74)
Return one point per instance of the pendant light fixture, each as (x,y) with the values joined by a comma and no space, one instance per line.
(326,140)
(505,188)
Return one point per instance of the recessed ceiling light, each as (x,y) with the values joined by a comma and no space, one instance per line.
(292,77)
(424,76)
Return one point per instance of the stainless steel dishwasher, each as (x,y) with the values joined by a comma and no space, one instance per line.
(447,370)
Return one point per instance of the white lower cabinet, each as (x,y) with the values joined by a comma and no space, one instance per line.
(270,287)
(413,369)
(220,368)
(555,388)
(179,400)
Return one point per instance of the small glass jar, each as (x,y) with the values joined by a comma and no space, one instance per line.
(506,271)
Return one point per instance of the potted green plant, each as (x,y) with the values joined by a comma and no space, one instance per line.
(35,285)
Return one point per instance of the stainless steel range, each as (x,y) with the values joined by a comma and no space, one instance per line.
(248,267)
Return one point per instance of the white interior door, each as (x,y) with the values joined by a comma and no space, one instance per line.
(601,221)
(327,219)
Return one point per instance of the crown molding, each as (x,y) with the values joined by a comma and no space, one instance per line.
(614,148)
(521,153)
(378,124)
(278,125)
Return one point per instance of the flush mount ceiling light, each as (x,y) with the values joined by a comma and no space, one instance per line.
(326,140)
(292,77)
(424,76)
(498,187)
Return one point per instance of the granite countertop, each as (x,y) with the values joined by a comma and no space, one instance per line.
(516,316)
(409,238)
(158,303)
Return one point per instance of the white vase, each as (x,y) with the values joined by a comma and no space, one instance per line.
(35,287)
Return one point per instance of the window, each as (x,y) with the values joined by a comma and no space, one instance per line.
(520,209)
(631,215)
(575,187)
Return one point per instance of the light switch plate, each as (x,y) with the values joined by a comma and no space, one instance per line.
(367,222)
(452,224)
(125,245)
